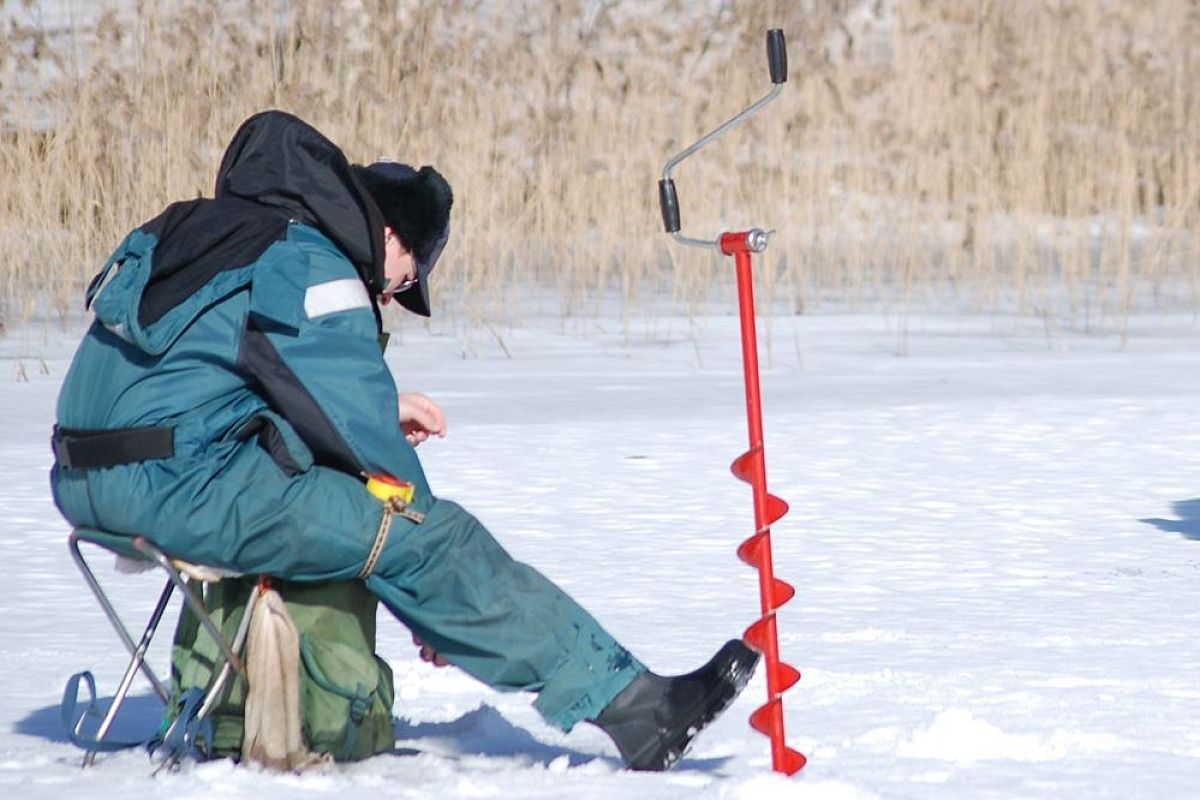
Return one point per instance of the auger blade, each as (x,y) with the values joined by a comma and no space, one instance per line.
(789,761)
(760,633)
(776,508)
(781,592)
(786,676)
(750,466)
(753,549)
(768,720)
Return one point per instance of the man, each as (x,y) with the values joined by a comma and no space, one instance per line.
(232,395)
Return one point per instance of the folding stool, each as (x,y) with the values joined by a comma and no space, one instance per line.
(180,575)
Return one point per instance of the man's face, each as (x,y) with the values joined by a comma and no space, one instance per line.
(399,266)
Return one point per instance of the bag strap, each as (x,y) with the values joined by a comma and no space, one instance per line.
(178,738)
(360,700)
(74,722)
(182,733)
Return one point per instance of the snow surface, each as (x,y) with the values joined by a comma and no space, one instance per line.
(995,540)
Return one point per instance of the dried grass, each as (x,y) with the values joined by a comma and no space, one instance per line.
(1036,155)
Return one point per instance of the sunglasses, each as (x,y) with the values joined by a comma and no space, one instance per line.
(403,286)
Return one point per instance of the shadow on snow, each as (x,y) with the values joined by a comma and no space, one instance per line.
(138,720)
(481,732)
(1188,524)
(485,732)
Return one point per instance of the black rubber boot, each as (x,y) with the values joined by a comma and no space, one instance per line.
(654,719)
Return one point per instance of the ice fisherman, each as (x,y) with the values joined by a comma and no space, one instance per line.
(232,393)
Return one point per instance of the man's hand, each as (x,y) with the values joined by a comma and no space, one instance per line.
(428,654)
(420,418)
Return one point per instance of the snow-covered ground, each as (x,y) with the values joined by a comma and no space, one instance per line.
(995,541)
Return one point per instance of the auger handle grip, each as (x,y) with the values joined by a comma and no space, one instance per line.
(777,55)
(668,203)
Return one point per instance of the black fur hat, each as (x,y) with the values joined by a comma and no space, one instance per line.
(416,205)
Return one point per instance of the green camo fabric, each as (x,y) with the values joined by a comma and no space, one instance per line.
(339,668)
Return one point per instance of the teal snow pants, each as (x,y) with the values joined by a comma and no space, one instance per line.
(446,578)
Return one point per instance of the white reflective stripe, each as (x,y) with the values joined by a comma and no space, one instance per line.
(334,296)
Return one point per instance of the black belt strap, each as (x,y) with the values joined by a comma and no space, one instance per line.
(92,449)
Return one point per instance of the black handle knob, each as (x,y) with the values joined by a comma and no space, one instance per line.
(668,202)
(777,55)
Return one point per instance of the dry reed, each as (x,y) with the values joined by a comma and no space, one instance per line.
(1031,155)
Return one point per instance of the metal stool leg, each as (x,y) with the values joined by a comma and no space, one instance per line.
(110,612)
(136,663)
(142,545)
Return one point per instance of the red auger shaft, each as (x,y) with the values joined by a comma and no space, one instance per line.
(750,467)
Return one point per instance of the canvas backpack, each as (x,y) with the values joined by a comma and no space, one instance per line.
(346,689)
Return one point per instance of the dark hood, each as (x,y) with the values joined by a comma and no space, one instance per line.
(276,159)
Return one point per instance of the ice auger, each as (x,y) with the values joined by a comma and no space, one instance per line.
(751,466)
